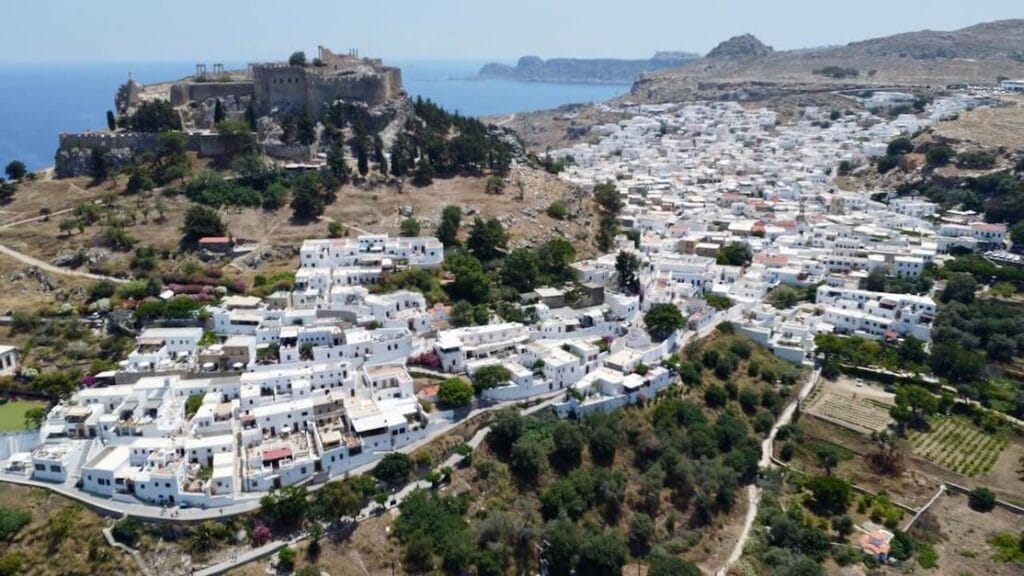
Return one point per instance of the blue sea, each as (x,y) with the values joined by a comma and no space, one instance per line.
(39,101)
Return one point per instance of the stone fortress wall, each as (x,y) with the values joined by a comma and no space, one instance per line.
(74,154)
(271,87)
(188,91)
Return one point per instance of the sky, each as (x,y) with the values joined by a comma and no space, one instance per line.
(252,30)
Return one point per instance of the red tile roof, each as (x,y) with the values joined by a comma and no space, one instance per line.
(276,453)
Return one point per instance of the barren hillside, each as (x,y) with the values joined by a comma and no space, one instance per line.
(978,54)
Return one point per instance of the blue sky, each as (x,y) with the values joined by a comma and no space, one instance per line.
(239,30)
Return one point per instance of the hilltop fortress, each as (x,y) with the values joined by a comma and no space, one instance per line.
(266,92)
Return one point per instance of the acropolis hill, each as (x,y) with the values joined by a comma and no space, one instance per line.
(263,94)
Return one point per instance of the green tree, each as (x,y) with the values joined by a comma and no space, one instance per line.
(568,442)
(307,202)
(394,468)
(831,495)
(602,555)
(461,314)
(297,59)
(218,112)
(627,266)
(362,161)
(939,155)
(607,198)
(662,320)
(448,229)
(898,146)
(424,174)
(562,541)
(607,229)
(960,287)
(555,256)
(337,165)
(507,428)
(201,221)
(339,499)
(527,459)
(981,499)
(487,239)
(491,376)
(455,392)
(520,269)
(641,534)
(111,121)
(285,508)
(15,170)
(410,227)
(471,283)
(734,254)
(154,116)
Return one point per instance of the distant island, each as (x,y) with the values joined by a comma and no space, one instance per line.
(584,70)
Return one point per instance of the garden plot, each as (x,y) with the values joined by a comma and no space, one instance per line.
(864,415)
(958,445)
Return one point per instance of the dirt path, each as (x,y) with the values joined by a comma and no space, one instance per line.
(47,267)
(753,492)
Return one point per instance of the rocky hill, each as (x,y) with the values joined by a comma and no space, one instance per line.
(745,46)
(584,70)
(743,68)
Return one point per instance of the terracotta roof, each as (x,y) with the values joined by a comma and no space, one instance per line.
(277,453)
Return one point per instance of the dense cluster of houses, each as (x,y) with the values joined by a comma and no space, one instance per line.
(310,383)
(698,179)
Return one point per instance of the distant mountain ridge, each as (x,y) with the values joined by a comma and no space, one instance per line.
(585,70)
(743,68)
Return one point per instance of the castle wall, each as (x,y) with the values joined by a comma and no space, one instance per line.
(185,92)
(293,87)
(74,155)
(279,87)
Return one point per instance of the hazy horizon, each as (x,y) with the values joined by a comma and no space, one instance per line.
(119,31)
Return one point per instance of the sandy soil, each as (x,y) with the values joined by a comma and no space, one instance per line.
(963,546)
(989,127)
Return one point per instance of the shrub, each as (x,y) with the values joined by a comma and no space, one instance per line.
(981,499)
(558,210)
(286,558)
(939,155)
(455,392)
(127,531)
(260,535)
(393,468)
(12,520)
(975,160)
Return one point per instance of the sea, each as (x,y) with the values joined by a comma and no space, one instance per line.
(39,101)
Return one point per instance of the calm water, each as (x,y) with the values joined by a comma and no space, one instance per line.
(37,102)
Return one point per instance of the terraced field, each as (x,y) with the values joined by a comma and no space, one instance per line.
(858,414)
(958,445)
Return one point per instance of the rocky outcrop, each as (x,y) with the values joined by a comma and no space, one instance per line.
(579,70)
(745,46)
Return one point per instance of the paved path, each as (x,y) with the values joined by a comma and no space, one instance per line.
(373,510)
(753,492)
(510,118)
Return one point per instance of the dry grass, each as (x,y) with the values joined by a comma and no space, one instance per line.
(963,537)
(989,127)
(359,208)
(82,552)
